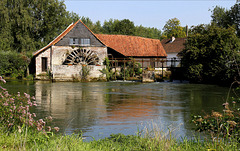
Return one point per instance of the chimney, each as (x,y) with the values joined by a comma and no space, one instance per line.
(172,39)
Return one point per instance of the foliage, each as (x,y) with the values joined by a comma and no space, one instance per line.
(225,125)
(84,73)
(219,16)
(211,54)
(13,64)
(107,71)
(28,25)
(224,18)
(172,28)
(36,141)
(122,27)
(15,113)
(147,32)
(132,68)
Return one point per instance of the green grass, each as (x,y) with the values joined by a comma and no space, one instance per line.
(29,140)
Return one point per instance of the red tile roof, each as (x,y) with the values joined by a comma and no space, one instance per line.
(127,45)
(176,46)
(133,46)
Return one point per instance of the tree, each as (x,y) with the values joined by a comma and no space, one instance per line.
(28,25)
(124,27)
(234,17)
(211,54)
(173,28)
(148,32)
(97,28)
(219,16)
(225,18)
(108,26)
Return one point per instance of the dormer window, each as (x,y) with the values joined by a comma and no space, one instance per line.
(85,42)
(74,41)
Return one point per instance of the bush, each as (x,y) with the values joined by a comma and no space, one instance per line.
(224,125)
(132,69)
(13,64)
(108,70)
(15,112)
(211,55)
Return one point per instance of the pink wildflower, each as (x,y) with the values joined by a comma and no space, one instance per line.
(18,94)
(1,79)
(30,123)
(48,128)
(34,115)
(33,98)
(56,129)
(5,104)
(41,122)
(34,103)
(3,88)
(39,127)
(27,95)
(10,124)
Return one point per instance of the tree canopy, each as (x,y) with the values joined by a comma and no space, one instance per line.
(173,28)
(224,18)
(27,25)
(211,54)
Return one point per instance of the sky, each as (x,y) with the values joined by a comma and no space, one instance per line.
(153,13)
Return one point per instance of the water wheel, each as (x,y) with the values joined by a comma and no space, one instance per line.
(82,57)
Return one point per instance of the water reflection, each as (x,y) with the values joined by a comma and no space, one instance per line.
(101,108)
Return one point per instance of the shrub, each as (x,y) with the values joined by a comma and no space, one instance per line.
(132,68)
(108,70)
(15,112)
(225,125)
(13,64)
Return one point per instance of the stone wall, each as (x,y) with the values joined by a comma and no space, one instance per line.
(38,61)
(74,72)
(62,72)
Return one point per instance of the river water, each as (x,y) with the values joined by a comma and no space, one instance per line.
(99,109)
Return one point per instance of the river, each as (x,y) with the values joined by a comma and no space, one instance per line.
(98,109)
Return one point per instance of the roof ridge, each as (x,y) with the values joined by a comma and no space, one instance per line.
(128,36)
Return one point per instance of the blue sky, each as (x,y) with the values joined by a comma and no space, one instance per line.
(148,13)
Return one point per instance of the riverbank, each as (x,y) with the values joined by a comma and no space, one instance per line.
(30,140)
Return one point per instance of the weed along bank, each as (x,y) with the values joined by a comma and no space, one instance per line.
(77,53)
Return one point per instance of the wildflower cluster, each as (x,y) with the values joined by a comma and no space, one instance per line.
(225,125)
(15,112)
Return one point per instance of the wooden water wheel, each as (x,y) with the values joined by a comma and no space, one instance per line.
(82,57)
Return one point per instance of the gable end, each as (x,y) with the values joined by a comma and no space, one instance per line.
(80,35)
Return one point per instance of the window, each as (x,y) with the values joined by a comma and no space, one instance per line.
(74,41)
(85,42)
(44,64)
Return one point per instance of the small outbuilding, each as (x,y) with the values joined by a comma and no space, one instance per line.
(173,46)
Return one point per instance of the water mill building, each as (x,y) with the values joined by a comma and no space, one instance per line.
(77,46)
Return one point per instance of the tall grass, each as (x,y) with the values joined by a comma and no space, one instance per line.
(30,140)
